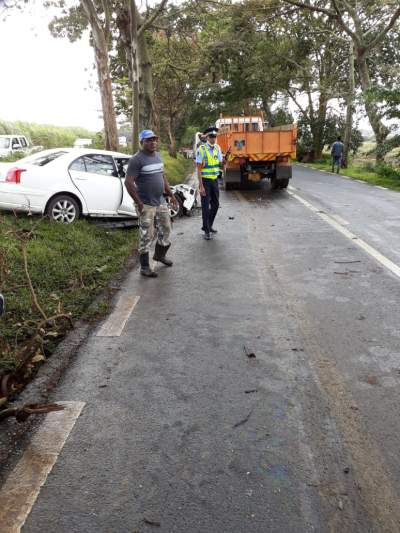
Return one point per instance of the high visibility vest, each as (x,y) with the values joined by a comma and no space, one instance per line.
(211,168)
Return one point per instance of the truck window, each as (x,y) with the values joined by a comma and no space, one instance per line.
(23,142)
(15,141)
(4,142)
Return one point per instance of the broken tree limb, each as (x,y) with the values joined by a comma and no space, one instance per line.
(25,411)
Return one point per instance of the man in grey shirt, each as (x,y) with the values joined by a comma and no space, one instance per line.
(337,154)
(146,183)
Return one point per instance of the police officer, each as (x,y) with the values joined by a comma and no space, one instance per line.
(147,184)
(209,161)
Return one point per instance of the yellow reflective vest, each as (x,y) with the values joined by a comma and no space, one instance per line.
(211,168)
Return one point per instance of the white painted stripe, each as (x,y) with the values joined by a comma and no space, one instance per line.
(116,321)
(340,220)
(240,196)
(379,187)
(23,485)
(395,269)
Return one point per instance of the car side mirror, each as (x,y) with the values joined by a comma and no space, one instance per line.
(115,173)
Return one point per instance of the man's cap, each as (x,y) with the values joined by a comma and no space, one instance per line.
(147,134)
(210,131)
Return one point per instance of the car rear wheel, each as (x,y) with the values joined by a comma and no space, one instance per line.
(178,211)
(63,208)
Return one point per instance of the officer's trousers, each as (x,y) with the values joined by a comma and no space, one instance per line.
(209,203)
(161,216)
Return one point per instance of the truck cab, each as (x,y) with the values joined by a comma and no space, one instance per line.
(9,144)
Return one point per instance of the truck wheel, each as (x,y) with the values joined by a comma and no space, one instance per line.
(274,183)
(63,208)
(283,184)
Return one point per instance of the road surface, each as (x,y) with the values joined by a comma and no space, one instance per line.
(170,426)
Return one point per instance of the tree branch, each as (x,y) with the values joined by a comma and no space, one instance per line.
(311,8)
(153,17)
(382,34)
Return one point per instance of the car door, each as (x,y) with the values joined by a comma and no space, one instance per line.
(95,176)
(127,206)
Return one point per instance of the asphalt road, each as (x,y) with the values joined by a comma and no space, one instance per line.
(183,432)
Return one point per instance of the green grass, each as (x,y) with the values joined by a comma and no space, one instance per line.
(176,170)
(68,264)
(385,176)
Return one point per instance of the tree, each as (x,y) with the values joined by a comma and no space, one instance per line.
(367,24)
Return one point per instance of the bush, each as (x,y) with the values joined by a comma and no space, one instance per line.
(385,170)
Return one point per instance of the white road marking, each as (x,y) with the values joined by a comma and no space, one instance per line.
(395,269)
(240,196)
(23,485)
(116,321)
(340,220)
(379,187)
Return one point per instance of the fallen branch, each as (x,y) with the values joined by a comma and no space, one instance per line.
(24,412)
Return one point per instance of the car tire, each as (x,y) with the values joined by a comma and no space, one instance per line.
(176,212)
(63,208)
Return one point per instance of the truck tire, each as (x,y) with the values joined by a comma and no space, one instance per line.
(274,183)
(283,183)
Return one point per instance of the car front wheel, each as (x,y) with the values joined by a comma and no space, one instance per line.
(63,208)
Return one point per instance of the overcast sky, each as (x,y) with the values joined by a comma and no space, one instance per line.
(46,80)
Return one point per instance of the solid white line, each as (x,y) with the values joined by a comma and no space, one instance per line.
(116,321)
(240,196)
(379,187)
(23,485)
(395,269)
(340,220)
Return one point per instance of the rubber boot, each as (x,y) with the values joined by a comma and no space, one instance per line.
(159,255)
(145,269)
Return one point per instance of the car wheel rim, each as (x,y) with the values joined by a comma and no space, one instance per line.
(173,212)
(64,211)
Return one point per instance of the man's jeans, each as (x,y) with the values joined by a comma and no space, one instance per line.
(209,203)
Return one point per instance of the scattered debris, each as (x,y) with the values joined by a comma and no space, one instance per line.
(372,380)
(103,385)
(180,233)
(249,354)
(297,349)
(231,218)
(23,412)
(151,522)
(340,505)
(361,317)
(347,262)
(346,470)
(250,391)
(346,273)
(241,422)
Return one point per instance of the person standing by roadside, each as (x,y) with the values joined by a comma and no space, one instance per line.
(209,161)
(337,154)
(147,184)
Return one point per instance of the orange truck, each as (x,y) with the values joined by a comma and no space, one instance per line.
(253,152)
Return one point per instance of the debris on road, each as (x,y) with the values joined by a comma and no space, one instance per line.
(347,262)
(346,470)
(249,353)
(23,412)
(151,522)
(250,391)
(246,419)
(231,218)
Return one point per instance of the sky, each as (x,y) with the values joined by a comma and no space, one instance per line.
(43,79)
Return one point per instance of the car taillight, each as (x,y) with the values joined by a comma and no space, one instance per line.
(14,175)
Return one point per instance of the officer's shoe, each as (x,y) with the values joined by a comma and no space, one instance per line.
(212,230)
(159,255)
(145,269)
(207,236)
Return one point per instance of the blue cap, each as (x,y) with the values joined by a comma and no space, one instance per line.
(147,134)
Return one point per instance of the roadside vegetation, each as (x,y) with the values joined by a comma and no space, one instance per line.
(384,174)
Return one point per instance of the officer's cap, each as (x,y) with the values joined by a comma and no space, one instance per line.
(210,131)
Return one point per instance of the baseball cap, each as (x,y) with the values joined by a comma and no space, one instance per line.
(147,134)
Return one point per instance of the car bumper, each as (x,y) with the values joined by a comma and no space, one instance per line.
(16,198)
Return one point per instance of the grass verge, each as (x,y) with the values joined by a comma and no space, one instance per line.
(177,169)
(68,266)
(384,176)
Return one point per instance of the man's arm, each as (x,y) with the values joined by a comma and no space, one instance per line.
(168,191)
(130,185)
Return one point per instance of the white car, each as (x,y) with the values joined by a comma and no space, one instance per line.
(65,183)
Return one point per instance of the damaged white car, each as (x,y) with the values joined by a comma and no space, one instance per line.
(187,199)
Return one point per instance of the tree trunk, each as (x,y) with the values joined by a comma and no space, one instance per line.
(134,63)
(100,35)
(172,140)
(349,110)
(107,102)
(318,140)
(146,85)
(380,130)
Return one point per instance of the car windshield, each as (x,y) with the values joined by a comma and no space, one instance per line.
(4,142)
(44,159)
